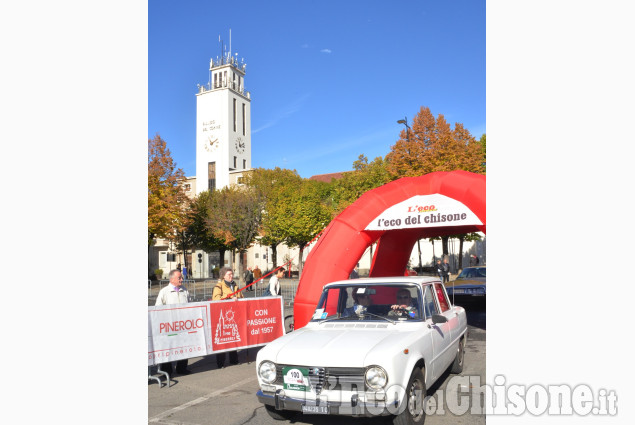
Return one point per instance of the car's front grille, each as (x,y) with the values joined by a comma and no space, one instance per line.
(329,378)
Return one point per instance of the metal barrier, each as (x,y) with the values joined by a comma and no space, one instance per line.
(202,290)
(288,288)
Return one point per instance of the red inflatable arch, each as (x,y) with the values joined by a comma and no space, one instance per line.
(395,216)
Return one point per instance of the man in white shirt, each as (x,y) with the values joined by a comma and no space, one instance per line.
(174,293)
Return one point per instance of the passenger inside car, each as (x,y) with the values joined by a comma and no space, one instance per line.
(361,302)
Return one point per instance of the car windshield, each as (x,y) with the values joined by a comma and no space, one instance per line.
(389,302)
(472,272)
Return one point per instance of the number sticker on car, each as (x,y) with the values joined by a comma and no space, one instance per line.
(295,378)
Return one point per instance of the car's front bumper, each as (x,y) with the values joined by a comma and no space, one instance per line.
(354,407)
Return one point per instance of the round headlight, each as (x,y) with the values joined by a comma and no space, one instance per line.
(267,371)
(376,377)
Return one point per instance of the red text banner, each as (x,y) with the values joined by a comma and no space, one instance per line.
(245,322)
(181,331)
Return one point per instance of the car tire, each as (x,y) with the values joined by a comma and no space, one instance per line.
(457,366)
(279,415)
(414,410)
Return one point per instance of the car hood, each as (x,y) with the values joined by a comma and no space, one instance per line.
(334,347)
(465,283)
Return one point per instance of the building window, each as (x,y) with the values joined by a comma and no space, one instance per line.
(244,164)
(235,162)
(243,119)
(234,81)
(256,255)
(240,84)
(216,80)
(239,180)
(225,78)
(211,176)
(188,187)
(234,116)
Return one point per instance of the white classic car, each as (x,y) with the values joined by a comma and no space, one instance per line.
(372,348)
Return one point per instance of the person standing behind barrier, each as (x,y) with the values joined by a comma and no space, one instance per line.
(174,293)
(223,288)
(274,282)
(257,273)
(184,272)
(249,279)
(446,270)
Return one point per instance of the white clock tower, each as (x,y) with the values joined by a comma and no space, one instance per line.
(223,125)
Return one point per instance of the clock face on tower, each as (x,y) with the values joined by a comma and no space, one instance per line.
(211,144)
(240,145)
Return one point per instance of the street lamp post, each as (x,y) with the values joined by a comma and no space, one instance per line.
(404,121)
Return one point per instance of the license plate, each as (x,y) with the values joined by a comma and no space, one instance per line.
(317,410)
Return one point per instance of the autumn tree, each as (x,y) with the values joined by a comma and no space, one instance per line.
(433,145)
(234,216)
(165,196)
(483,150)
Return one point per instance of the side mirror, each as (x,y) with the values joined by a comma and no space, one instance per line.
(438,318)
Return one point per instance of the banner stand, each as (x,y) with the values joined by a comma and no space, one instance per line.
(157,377)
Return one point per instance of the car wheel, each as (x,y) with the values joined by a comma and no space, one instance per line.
(457,366)
(414,411)
(279,415)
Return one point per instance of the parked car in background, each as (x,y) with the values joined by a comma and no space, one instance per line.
(372,348)
(469,286)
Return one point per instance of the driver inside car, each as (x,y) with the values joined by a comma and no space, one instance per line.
(405,305)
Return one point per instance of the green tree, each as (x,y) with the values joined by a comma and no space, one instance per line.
(465,237)
(235,216)
(364,177)
(306,214)
(203,236)
(273,187)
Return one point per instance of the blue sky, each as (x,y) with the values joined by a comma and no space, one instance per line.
(328,79)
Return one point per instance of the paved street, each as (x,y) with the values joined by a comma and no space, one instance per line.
(227,396)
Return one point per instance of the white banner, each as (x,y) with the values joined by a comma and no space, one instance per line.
(178,331)
(424,211)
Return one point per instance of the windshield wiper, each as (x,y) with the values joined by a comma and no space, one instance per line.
(381,317)
(328,319)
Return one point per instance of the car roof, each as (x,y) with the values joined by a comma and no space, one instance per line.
(387,280)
